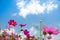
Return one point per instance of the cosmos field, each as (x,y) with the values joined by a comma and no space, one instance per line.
(29,19)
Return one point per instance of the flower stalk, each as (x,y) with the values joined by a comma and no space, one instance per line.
(40,30)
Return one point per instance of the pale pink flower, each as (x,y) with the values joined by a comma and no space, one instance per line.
(16,38)
(8,27)
(50,30)
(14,35)
(45,29)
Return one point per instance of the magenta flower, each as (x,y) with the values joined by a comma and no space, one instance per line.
(1,38)
(49,37)
(32,37)
(22,25)
(16,38)
(45,29)
(5,33)
(14,35)
(50,30)
(26,32)
(7,38)
(8,27)
(12,22)
(42,38)
(23,38)
(28,35)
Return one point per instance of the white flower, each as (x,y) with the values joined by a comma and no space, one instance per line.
(1,31)
(12,30)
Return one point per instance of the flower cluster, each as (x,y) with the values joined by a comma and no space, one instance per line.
(9,34)
(12,36)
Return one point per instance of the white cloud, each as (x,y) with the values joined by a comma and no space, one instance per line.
(33,31)
(14,14)
(21,3)
(51,5)
(34,7)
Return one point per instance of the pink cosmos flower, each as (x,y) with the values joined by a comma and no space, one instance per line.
(50,30)
(23,38)
(14,35)
(12,22)
(26,32)
(5,33)
(22,25)
(8,27)
(42,38)
(1,38)
(7,38)
(49,37)
(16,38)
(45,29)
(31,37)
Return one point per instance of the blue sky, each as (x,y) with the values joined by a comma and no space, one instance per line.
(25,12)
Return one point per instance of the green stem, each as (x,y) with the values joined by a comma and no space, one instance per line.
(40,34)
(40,30)
(44,37)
